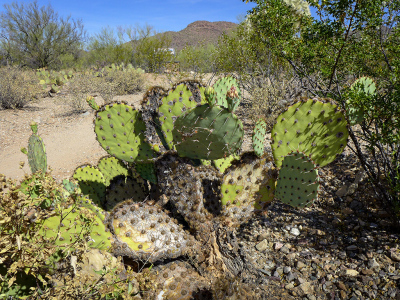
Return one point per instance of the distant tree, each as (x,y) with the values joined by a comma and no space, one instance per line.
(36,36)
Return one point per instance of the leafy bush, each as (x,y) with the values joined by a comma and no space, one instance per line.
(128,81)
(17,87)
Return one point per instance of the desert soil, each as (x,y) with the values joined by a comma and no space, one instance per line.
(69,136)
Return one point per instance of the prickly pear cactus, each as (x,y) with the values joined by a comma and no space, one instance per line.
(223,163)
(248,185)
(36,152)
(123,188)
(120,131)
(91,183)
(314,127)
(67,224)
(178,280)
(260,129)
(147,171)
(221,87)
(298,180)
(111,167)
(151,102)
(208,133)
(146,232)
(177,101)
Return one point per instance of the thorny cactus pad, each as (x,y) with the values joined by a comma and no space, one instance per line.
(221,87)
(177,101)
(146,232)
(248,185)
(120,131)
(91,183)
(178,280)
(66,226)
(123,188)
(36,152)
(208,133)
(258,137)
(147,171)
(223,163)
(111,167)
(314,127)
(298,180)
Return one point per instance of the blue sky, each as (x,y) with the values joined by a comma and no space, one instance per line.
(164,15)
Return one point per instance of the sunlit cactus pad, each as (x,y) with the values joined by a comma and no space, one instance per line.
(223,163)
(146,232)
(247,185)
(260,129)
(314,127)
(120,131)
(221,87)
(177,101)
(37,154)
(178,280)
(91,183)
(111,167)
(208,133)
(66,226)
(298,181)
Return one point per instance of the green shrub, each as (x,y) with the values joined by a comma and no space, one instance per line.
(17,87)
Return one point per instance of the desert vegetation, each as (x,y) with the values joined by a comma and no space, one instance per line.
(159,216)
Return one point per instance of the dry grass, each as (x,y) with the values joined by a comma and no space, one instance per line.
(17,87)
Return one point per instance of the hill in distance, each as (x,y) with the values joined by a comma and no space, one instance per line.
(198,32)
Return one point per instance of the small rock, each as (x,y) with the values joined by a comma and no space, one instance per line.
(342,191)
(262,246)
(295,231)
(347,211)
(367,272)
(352,248)
(289,286)
(291,276)
(285,249)
(395,256)
(269,265)
(306,288)
(351,272)
(262,236)
(300,265)
(341,286)
(286,269)
(278,246)
(372,263)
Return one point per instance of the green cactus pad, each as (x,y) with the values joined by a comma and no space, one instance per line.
(147,233)
(123,188)
(178,280)
(248,185)
(37,154)
(208,133)
(65,227)
(314,127)
(91,183)
(298,181)
(221,87)
(111,167)
(147,171)
(84,201)
(223,163)
(120,131)
(260,129)
(175,103)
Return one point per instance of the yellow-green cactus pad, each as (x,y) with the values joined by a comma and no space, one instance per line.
(147,233)
(316,127)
